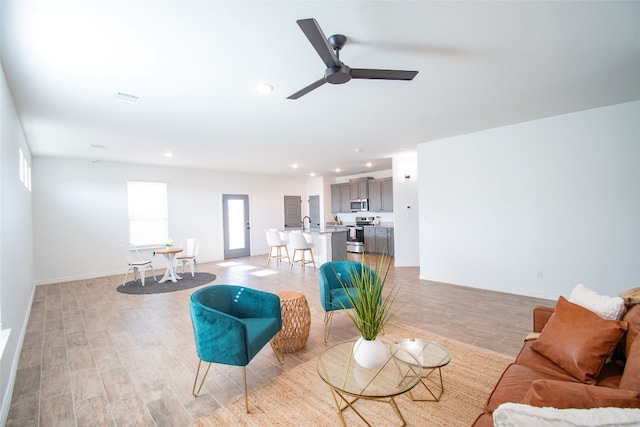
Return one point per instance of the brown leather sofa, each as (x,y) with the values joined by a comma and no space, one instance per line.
(534,379)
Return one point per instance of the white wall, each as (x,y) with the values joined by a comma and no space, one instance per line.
(80,212)
(16,243)
(535,208)
(406,211)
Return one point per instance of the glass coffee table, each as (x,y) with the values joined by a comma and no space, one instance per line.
(431,357)
(349,382)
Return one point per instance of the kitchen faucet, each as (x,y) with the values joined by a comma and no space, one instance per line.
(306,217)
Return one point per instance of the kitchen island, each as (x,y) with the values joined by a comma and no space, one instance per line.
(329,244)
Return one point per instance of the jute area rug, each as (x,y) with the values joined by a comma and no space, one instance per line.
(299,397)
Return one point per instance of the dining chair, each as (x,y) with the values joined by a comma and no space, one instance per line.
(188,255)
(300,245)
(334,283)
(275,243)
(231,324)
(136,263)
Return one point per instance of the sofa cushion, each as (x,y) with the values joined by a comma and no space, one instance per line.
(578,340)
(515,415)
(562,394)
(545,367)
(514,384)
(631,376)
(610,308)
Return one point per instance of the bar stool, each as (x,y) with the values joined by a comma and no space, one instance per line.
(299,244)
(274,242)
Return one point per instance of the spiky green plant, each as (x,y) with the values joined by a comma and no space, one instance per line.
(371,309)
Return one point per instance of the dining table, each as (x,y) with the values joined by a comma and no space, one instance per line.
(170,254)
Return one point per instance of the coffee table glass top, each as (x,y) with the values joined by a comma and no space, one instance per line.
(429,354)
(337,367)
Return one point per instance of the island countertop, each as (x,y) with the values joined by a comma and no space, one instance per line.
(325,230)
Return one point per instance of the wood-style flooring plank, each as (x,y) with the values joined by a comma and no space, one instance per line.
(93,356)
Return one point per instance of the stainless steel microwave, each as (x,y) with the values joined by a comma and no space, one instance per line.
(359,205)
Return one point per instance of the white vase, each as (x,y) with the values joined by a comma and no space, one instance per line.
(370,353)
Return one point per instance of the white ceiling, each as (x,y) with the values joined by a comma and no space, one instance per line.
(196,64)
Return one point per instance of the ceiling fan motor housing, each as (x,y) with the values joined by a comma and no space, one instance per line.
(338,75)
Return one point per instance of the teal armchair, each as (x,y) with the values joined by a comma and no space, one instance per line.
(231,324)
(333,279)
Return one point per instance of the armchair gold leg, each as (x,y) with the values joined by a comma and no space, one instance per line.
(195,381)
(244,378)
(328,316)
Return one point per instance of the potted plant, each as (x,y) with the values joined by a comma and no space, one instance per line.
(371,308)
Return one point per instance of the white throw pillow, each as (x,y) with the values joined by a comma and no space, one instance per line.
(610,308)
(518,415)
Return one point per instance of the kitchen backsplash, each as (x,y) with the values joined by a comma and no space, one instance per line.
(386,218)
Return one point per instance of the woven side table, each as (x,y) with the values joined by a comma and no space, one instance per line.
(296,323)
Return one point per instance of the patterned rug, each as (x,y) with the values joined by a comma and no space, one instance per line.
(299,397)
(153,287)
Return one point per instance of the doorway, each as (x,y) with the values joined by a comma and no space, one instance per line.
(314,211)
(235,223)
(292,211)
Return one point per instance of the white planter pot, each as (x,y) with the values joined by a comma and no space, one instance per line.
(370,354)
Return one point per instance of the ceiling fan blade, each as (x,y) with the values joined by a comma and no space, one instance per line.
(368,73)
(318,40)
(307,89)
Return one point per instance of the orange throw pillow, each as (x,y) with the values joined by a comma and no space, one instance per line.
(578,340)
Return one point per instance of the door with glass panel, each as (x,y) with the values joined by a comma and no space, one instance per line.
(235,221)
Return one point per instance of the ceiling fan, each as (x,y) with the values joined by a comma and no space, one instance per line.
(337,72)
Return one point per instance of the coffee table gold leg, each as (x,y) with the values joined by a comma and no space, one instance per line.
(349,404)
(423,380)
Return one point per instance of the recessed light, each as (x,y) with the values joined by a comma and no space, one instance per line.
(264,88)
(357,150)
(295,166)
(369,164)
(337,169)
(168,154)
(312,174)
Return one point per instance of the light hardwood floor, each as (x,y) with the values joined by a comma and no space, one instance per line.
(93,356)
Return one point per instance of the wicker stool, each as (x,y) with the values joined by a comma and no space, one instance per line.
(296,323)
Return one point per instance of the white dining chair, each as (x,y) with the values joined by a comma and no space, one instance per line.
(136,263)
(188,255)
(299,244)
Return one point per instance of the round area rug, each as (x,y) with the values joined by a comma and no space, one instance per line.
(153,287)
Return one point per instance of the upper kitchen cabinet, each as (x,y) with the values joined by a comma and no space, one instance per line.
(340,197)
(381,195)
(359,188)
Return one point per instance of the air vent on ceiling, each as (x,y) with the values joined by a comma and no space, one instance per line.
(127,97)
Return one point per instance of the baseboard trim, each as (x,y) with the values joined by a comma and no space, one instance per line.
(489,287)
(6,399)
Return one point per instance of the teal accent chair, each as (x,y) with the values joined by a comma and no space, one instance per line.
(333,279)
(231,324)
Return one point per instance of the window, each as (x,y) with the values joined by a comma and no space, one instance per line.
(148,214)
(25,171)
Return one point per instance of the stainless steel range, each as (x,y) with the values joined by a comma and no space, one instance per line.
(355,234)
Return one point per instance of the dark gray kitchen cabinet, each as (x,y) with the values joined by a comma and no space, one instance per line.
(340,197)
(381,195)
(359,188)
(378,240)
(370,240)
